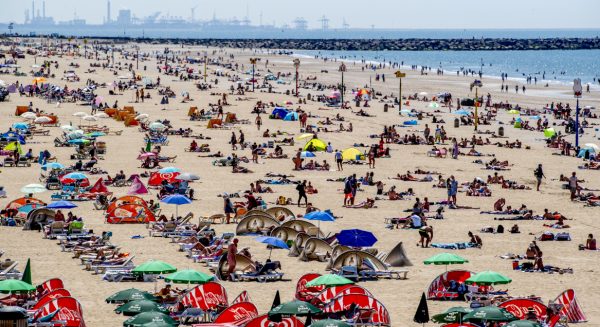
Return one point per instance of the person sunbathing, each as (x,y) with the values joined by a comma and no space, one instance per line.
(260,189)
(552,216)
(496,179)
(368,204)
(514,186)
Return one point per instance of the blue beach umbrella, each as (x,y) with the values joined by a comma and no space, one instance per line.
(356,238)
(273,242)
(307,154)
(177,200)
(20,126)
(53,166)
(61,205)
(76,176)
(462,112)
(169,170)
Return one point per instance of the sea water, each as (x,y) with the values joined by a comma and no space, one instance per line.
(559,66)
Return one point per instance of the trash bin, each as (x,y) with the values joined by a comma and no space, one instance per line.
(501,131)
(386,107)
(456,123)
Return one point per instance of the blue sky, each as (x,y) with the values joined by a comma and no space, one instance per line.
(358,13)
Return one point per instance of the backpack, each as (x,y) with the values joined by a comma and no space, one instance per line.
(500,229)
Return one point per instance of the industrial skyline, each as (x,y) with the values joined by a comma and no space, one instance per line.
(314,14)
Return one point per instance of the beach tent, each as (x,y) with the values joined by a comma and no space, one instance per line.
(397,257)
(128,199)
(253,223)
(41,216)
(279,113)
(353,154)
(331,293)
(307,293)
(438,289)
(291,116)
(67,310)
(355,257)
(17,203)
(520,307)
(130,214)
(317,145)
(378,313)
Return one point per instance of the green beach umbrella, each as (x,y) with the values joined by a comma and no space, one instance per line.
(149,317)
(451,315)
(488,277)
(490,313)
(15,286)
(549,132)
(329,323)
(128,295)
(136,307)
(156,324)
(294,308)
(154,267)
(189,276)
(445,259)
(27,273)
(329,280)
(522,323)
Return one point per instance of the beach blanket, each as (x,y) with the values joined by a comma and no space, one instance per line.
(452,246)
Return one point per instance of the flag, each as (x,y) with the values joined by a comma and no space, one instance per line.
(422,314)
(27,273)
(570,307)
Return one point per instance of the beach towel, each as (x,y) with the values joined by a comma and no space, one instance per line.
(452,246)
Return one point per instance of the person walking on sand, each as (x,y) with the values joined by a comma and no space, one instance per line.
(228,207)
(301,188)
(233,141)
(339,160)
(539,174)
(231,260)
(258,121)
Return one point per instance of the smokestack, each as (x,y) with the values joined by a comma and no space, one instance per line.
(44,9)
(32,9)
(108,19)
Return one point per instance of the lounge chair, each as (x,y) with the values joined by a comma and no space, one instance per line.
(56,229)
(10,272)
(23,162)
(266,273)
(9,162)
(373,272)
(103,268)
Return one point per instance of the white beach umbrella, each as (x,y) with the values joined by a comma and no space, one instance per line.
(142,116)
(42,120)
(80,114)
(90,118)
(29,115)
(156,126)
(102,115)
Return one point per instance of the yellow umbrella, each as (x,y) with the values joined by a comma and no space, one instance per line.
(12,146)
(305,136)
(352,154)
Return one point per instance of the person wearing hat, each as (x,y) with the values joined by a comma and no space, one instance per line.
(231,262)
(228,207)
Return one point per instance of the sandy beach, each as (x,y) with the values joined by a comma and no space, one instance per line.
(399,296)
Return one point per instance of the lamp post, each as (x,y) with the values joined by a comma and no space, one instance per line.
(297,65)
(577,91)
(205,63)
(342,69)
(400,75)
(476,84)
(253,62)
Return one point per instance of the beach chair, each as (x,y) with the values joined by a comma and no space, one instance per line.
(9,162)
(56,229)
(350,272)
(23,162)
(10,272)
(266,273)
(373,272)
(103,268)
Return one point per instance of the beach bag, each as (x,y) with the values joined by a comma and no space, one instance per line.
(281,200)
(562,236)
(500,229)
(547,236)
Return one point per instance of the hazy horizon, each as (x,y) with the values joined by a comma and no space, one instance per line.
(408,14)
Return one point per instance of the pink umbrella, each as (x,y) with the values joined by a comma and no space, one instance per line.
(146,155)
